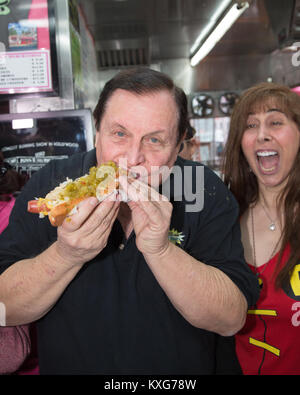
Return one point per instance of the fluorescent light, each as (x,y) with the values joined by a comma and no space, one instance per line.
(219,11)
(224,25)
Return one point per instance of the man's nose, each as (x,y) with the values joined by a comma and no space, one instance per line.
(135,155)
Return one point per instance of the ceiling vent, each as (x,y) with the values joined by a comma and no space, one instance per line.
(122,45)
(123,53)
(116,58)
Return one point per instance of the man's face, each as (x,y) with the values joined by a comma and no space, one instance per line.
(139,131)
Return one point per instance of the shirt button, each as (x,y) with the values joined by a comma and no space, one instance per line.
(121,246)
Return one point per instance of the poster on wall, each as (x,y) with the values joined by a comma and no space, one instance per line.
(26,47)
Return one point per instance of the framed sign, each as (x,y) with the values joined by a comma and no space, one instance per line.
(28,59)
(29,141)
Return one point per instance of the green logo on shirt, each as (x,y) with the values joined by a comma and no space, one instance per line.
(175,237)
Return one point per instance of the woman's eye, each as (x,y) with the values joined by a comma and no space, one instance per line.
(250,125)
(154,140)
(277,123)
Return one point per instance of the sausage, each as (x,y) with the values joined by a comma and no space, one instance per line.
(37,206)
(57,214)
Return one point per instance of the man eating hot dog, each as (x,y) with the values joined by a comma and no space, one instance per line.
(137,287)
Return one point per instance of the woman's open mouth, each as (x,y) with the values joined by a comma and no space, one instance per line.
(268,161)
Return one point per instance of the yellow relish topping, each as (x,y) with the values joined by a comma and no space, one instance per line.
(85,186)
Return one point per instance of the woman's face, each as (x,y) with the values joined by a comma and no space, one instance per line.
(270,144)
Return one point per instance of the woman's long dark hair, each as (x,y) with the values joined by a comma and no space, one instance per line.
(242,182)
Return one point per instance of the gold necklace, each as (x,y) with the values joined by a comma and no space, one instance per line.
(254,251)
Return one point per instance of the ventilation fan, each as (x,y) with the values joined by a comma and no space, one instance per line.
(203,105)
(227,101)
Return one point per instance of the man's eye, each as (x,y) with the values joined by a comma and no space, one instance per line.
(153,140)
(120,134)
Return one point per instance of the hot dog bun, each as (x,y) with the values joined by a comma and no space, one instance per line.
(60,202)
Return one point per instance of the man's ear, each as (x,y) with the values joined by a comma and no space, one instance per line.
(180,143)
(96,137)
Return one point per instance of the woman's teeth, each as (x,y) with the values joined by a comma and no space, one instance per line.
(268,160)
(267,153)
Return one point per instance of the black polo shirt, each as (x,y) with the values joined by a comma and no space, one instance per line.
(114,318)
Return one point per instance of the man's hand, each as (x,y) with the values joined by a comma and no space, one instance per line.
(84,235)
(31,287)
(151,216)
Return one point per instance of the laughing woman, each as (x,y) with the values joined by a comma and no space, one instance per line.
(262,169)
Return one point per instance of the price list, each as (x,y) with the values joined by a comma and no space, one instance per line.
(22,72)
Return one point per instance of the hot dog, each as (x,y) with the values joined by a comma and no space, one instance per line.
(59,203)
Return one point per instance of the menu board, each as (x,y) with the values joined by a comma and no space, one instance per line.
(25,48)
(21,72)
